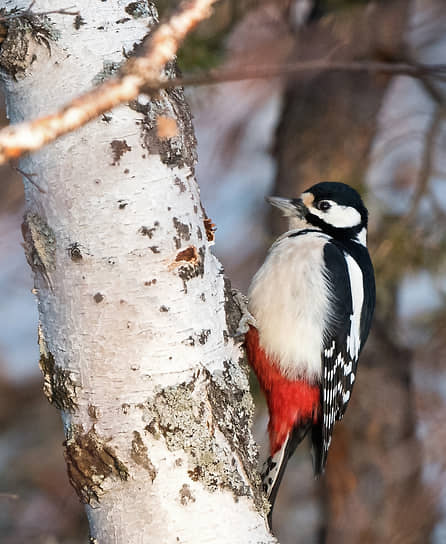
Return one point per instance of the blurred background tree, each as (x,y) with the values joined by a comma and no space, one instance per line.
(384,135)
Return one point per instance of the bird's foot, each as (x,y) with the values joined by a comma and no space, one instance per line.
(246,319)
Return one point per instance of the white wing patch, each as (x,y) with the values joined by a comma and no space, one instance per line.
(357,290)
(330,351)
(271,468)
(362,237)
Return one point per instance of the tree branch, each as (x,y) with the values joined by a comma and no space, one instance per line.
(239,73)
(157,49)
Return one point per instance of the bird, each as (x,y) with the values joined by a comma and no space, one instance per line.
(310,307)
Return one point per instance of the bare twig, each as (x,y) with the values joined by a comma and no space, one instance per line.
(29,177)
(427,161)
(28,11)
(11,496)
(385,248)
(156,51)
(240,73)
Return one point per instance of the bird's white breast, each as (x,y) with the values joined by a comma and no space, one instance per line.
(289,300)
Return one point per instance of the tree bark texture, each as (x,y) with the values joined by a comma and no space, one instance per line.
(135,315)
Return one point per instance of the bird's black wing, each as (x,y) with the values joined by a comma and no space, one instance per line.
(341,348)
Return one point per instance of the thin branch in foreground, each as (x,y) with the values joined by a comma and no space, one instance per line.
(159,48)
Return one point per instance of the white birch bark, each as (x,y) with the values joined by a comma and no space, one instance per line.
(135,344)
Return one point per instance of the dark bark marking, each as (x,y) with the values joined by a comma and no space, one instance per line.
(94,412)
(148,231)
(78,22)
(119,148)
(74,250)
(180,184)
(98,297)
(190,341)
(180,149)
(109,68)
(139,454)
(190,254)
(209,228)
(58,385)
(39,244)
(188,271)
(182,229)
(186,495)
(154,249)
(15,54)
(90,460)
(164,309)
(141,8)
(203,336)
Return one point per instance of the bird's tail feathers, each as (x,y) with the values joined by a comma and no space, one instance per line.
(275,465)
(319,452)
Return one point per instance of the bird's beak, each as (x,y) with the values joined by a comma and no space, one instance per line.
(290,206)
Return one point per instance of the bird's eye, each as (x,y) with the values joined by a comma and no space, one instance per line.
(324,205)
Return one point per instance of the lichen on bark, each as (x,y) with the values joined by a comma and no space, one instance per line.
(190,416)
(178,150)
(233,410)
(142,8)
(139,454)
(58,386)
(16,53)
(39,244)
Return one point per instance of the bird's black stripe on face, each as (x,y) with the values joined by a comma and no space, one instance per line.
(343,234)
(302,232)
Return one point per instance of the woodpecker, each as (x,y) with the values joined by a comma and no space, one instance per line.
(311,305)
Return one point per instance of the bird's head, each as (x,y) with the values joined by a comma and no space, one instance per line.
(334,208)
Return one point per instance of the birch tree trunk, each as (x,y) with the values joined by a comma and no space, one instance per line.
(135,316)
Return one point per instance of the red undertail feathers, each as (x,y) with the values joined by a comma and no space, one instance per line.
(290,402)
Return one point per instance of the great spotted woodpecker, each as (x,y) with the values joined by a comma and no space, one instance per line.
(311,306)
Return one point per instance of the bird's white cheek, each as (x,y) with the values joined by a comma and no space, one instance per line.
(339,216)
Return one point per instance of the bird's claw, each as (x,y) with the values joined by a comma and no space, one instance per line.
(246,319)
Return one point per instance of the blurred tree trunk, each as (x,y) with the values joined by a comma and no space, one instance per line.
(136,319)
(325,133)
